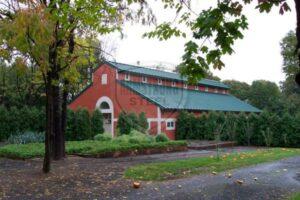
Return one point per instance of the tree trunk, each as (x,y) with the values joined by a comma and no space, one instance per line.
(49,123)
(297,4)
(64,113)
(58,152)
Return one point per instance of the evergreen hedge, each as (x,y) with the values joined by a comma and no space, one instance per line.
(80,124)
(130,121)
(14,121)
(247,129)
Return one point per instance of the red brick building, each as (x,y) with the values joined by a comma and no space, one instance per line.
(117,87)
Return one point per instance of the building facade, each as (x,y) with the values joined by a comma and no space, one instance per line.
(118,87)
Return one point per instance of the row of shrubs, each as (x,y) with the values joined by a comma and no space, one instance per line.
(263,129)
(130,121)
(27,124)
(14,121)
(81,125)
(21,124)
(135,137)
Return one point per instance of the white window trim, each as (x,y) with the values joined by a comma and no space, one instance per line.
(159,81)
(173,84)
(216,90)
(104,79)
(117,74)
(185,86)
(206,89)
(224,92)
(144,79)
(174,124)
(196,87)
(127,77)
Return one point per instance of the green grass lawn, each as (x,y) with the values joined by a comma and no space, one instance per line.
(87,147)
(295,196)
(186,167)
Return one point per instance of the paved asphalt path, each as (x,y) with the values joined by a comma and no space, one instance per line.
(93,178)
(276,180)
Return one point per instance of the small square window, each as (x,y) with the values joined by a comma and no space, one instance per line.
(159,81)
(104,79)
(185,86)
(173,83)
(144,79)
(127,77)
(170,125)
(196,87)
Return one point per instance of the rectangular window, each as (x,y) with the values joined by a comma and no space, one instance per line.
(206,89)
(170,124)
(224,91)
(173,83)
(144,79)
(159,81)
(127,77)
(185,86)
(104,79)
(196,87)
(216,90)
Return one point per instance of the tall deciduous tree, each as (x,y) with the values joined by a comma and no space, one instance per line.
(238,89)
(291,91)
(214,31)
(49,35)
(264,95)
(290,64)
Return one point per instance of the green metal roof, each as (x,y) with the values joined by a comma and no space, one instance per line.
(177,98)
(162,74)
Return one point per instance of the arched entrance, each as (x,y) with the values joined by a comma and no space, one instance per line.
(105,105)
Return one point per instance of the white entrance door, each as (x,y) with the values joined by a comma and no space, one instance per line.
(105,105)
(107,122)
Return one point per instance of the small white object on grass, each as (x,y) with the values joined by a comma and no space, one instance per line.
(240,182)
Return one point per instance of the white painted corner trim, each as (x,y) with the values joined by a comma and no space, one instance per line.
(158,120)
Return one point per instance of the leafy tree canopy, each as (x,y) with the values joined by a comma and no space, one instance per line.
(238,89)
(264,94)
(214,32)
(290,64)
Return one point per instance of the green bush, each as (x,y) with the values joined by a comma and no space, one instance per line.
(4,125)
(70,129)
(87,147)
(97,122)
(122,139)
(143,123)
(14,121)
(139,137)
(103,137)
(27,137)
(293,137)
(161,138)
(82,125)
(124,124)
(247,129)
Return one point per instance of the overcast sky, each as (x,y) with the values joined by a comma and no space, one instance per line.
(257,56)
